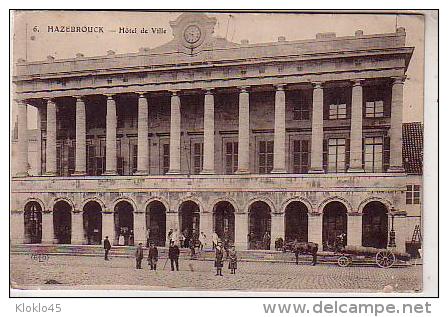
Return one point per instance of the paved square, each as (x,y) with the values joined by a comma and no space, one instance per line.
(73,271)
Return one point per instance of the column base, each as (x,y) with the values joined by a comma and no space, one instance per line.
(207,172)
(79,174)
(22,174)
(316,171)
(173,172)
(355,170)
(278,171)
(141,173)
(242,171)
(50,174)
(396,169)
(109,173)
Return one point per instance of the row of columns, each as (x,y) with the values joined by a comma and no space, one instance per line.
(209,130)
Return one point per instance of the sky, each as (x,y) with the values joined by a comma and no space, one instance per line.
(33,42)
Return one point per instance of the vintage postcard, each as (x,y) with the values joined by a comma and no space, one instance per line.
(247,151)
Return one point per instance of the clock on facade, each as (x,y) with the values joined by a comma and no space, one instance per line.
(192,34)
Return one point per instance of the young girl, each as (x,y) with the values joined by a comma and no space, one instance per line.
(232,260)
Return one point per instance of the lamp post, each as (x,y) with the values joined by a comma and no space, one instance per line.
(392,243)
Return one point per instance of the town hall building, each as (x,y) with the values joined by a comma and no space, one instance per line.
(292,139)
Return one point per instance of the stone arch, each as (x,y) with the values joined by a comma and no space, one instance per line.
(227,199)
(263,199)
(259,233)
(334,224)
(32,221)
(63,209)
(95,199)
(37,200)
(328,200)
(296,214)
(194,199)
(303,200)
(382,200)
(159,199)
(189,219)
(124,198)
(224,220)
(124,221)
(64,199)
(156,210)
(92,218)
(375,224)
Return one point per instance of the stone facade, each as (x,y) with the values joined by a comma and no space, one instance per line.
(180,129)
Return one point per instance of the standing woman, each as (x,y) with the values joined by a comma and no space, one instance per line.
(219,255)
(232,260)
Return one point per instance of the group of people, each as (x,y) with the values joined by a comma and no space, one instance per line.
(219,258)
(153,256)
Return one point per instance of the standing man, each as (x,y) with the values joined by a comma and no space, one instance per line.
(139,256)
(107,248)
(153,256)
(173,255)
(170,236)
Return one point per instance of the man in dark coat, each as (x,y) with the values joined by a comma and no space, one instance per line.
(139,256)
(153,256)
(107,248)
(173,255)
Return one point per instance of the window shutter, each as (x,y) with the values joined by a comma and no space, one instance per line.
(386,153)
(325,154)
(347,153)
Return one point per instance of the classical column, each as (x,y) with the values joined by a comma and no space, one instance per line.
(317,129)
(354,229)
(277,228)
(396,122)
(241,230)
(315,228)
(209,133)
(22,126)
(77,228)
(175,134)
(356,128)
(111,136)
(47,227)
(50,150)
(243,132)
(142,136)
(279,131)
(39,141)
(108,227)
(80,159)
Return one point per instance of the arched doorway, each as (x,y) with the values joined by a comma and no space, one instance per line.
(374,225)
(296,222)
(33,222)
(334,224)
(224,221)
(259,236)
(92,222)
(189,220)
(124,223)
(156,223)
(62,222)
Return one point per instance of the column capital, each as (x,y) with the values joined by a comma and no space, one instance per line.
(317,84)
(110,96)
(357,82)
(174,92)
(280,87)
(49,99)
(399,80)
(243,89)
(141,94)
(79,98)
(209,91)
(21,101)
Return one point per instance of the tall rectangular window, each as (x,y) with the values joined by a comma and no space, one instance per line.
(198,157)
(373,154)
(374,109)
(337,111)
(413,194)
(336,155)
(231,157)
(265,156)
(301,110)
(301,156)
(165,158)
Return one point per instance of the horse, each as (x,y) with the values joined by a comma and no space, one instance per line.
(305,248)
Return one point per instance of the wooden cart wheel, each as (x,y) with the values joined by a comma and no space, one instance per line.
(343,261)
(385,258)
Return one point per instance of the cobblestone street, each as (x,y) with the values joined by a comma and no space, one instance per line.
(72,271)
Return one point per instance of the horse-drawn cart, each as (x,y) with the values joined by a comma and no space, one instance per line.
(384,258)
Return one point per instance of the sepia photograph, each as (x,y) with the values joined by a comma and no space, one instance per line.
(217,151)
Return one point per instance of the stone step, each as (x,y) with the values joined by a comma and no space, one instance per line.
(205,255)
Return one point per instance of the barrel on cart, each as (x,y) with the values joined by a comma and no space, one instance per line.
(384,258)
